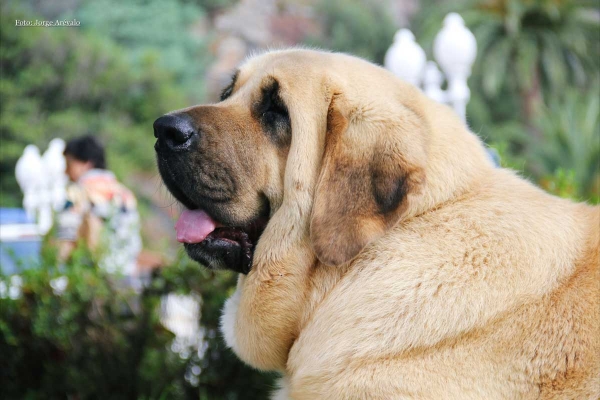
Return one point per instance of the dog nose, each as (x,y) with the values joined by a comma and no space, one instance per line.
(175,131)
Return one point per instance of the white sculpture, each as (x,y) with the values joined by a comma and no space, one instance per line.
(432,82)
(405,58)
(454,48)
(29,173)
(55,164)
(43,181)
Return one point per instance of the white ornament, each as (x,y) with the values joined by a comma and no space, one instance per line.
(55,165)
(29,173)
(406,58)
(454,49)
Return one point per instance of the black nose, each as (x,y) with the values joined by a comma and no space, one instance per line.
(176,132)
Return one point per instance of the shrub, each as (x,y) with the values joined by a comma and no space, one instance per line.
(75,332)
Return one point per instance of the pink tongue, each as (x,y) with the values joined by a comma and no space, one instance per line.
(193,226)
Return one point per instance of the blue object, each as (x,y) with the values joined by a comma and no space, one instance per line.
(494,156)
(15,256)
(14,216)
(19,252)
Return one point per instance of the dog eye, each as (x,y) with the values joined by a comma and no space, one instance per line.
(229,88)
(274,115)
(274,106)
(226,92)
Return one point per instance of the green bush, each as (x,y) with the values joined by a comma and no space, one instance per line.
(91,341)
(570,143)
(99,340)
(534,88)
(565,158)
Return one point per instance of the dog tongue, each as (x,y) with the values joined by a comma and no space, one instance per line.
(193,226)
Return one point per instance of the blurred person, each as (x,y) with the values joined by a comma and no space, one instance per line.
(98,209)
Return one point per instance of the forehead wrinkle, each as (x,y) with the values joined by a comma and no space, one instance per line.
(271,77)
(252,79)
(267,80)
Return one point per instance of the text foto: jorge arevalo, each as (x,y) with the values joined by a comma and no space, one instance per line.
(57,22)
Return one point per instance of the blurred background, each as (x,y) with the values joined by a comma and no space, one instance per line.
(535,99)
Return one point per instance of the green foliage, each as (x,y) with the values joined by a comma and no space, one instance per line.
(565,159)
(563,184)
(91,341)
(570,146)
(529,52)
(157,27)
(534,88)
(360,27)
(64,83)
(98,339)
(223,375)
(524,41)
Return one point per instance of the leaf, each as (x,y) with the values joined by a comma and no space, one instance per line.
(553,61)
(526,61)
(494,66)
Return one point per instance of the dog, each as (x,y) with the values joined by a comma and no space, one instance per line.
(381,254)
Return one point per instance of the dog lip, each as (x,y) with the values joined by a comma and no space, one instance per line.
(233,246)
(254,229)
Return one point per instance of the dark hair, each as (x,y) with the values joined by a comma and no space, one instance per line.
(86,148)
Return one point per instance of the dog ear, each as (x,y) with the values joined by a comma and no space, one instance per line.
(369,170)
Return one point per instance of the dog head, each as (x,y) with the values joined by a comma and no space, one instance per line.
(342,146)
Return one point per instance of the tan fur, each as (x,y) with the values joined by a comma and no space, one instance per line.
(398,262)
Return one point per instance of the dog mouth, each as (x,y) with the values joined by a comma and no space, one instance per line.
(218,246)
(209,236)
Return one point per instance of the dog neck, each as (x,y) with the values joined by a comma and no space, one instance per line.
(456,160)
